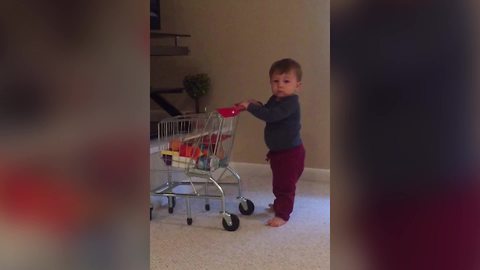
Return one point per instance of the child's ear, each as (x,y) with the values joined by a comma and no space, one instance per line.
(299,86)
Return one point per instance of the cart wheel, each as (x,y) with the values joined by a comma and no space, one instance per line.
(207,207)
(170,210)
(235,223)
(151,209)
(189,221)
(250,207)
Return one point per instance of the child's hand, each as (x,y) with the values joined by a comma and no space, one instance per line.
(243,104)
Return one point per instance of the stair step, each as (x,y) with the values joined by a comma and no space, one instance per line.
(166,90)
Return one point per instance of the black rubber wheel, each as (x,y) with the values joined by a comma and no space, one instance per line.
(249,210)
(235,223)
(170,210)
(207,207)
(189,221)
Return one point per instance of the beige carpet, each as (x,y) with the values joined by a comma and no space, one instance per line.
(303,243)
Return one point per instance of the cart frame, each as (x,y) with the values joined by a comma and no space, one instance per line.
(207,140)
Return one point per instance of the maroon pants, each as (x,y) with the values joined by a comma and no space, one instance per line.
(287,166)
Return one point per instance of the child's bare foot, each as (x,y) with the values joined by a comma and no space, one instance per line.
(276,222)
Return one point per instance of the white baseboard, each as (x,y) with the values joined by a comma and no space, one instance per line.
(308,173)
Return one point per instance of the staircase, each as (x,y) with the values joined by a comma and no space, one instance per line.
(156,94)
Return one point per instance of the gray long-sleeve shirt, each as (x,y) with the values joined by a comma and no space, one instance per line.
(282,117)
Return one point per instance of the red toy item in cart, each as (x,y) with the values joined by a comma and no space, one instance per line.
(231,111)
(190,151)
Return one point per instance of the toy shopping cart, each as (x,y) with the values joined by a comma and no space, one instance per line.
(200,146)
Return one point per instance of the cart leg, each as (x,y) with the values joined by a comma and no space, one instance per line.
(221,175)
(169,176)
(246,206)
(237,177)
(171,204)
(221,192)
(207,202)
(189,211)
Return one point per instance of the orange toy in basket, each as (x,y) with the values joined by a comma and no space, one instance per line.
(175,144)
(190,151)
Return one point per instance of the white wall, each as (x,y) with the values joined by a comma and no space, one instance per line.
(235,42)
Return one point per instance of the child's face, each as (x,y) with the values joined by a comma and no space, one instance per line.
(285,84)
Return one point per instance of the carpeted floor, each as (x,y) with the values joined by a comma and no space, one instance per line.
(303,243)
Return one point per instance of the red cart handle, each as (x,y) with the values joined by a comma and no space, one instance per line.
(231,111)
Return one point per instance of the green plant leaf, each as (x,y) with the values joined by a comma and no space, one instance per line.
(196,85)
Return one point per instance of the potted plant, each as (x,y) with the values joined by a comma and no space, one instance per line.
(196,87)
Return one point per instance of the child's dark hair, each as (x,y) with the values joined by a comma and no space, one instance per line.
(285,65)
